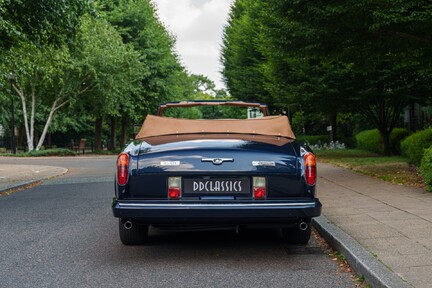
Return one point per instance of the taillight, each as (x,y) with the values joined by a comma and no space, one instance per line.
(259,188)
(310,168)
(174,188)
(122,168)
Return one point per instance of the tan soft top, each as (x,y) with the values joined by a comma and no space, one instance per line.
(270,125)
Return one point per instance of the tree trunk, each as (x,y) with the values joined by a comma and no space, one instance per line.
(98,133)
(123,136)
(385,137)
(21,136)
(32,118)
(112,143)
(35,137)
(25,116)
(47,124)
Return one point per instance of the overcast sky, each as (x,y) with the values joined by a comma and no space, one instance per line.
(197,26)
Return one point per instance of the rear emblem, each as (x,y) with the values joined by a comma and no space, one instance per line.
(217,161)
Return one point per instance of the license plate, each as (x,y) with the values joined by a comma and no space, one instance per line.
(217,185)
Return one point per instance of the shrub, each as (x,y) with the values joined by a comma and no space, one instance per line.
(48,152)
(426,167)
(51,152)
(370,140)
(413,146)
(396,137)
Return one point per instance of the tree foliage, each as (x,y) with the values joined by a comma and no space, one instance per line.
(102,59)
(37,38)
(138,25)
(40,22)
(107,69)
(241,58)
(367,57)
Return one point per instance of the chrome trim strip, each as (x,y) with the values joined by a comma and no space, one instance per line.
(203,205)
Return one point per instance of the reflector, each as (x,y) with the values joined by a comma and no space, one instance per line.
(259,188)
(174,187)
(174,193)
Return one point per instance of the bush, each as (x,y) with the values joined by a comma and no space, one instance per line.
(426,167)
(370,140)
(413,146)
(51,152)
(40,153)
(396,137)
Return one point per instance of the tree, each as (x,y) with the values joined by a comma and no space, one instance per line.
(109,71)
(241,59)
(365,56)
(385,44)
(36,74)
(163,78)
(315,84)
(31,30)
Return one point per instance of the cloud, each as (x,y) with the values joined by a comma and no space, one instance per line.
(198,27)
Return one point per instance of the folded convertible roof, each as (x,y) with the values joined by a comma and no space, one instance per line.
(270,125)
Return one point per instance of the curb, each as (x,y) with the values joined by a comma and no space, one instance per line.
(20,185)
(361,260)
(30,182)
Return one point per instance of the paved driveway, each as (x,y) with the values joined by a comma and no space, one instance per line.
(63,234)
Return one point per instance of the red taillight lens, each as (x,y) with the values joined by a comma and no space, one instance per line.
(122,168)
(259,188)
(174,188)
(174,193)
(310,168)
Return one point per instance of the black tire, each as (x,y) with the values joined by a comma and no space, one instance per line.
(136,235)
(294,235)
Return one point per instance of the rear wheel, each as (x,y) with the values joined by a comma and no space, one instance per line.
(132,233)
(298,235)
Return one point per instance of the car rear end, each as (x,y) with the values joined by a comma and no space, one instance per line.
(179,182)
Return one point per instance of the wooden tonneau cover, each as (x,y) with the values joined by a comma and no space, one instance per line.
(270,125)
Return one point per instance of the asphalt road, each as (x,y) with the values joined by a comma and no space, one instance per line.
(63,234)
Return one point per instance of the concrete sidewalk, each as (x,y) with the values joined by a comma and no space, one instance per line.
(384,230)
(394,223)
(16,176)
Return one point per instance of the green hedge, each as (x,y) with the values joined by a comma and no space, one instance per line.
(413,146)
(48,152)
(51,152)
(370,140)
(396,137)
(426,167)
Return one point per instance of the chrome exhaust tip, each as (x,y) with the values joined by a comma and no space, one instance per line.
(128,225)
(303,226)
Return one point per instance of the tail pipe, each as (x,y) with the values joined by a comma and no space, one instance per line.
(303,226)
(128,225)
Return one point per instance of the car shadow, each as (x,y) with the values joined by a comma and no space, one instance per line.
(227,245)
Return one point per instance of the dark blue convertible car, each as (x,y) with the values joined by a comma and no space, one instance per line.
(241,168)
